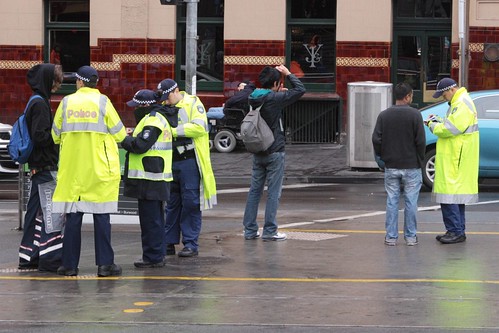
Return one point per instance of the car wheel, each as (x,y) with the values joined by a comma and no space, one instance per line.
(225,141)
(429,168)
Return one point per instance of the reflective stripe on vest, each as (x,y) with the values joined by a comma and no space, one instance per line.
(99,127)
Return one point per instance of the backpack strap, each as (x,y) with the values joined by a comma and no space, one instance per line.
(29,102)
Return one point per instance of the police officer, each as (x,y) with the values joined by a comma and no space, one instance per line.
(193,188)
(457,159)
(148,171)
(87,128)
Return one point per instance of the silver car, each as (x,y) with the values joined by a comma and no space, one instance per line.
(6,163)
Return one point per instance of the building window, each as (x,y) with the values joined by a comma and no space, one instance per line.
(210,44)
(67,37)
(424,8)
(311,42)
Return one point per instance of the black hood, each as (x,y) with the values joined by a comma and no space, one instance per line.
(170,113)
(41,79)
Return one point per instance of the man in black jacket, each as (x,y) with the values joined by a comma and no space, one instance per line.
(240,98)
(399,139)
(269,165)
(39,250)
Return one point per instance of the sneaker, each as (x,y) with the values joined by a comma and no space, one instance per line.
(280,236)
(255,236)
(390,241)
(411,241)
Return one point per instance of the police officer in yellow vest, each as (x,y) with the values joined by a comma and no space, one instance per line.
(148,171)
(456,161)
(193,188)
(87,128)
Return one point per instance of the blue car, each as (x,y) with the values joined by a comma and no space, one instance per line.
(487,107)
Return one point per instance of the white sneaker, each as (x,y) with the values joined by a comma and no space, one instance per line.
(255,236)
(280,236)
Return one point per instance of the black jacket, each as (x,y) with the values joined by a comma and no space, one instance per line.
(39,118)
(272,109)
(240,98)
(399,137)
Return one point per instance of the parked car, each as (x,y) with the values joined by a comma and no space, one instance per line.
(6,163)
(487,107)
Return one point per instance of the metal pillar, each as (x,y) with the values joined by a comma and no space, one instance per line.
(464,54)
(191,40)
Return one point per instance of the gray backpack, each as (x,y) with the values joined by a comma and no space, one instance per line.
(255,133)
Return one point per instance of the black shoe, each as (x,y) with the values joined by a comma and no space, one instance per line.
(145,264)
(440,236)
(170,249)
(27,265)
(108,270)
(452,238)
(187,252)
(67,271)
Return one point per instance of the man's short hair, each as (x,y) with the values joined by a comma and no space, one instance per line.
(401,90)
(268,76)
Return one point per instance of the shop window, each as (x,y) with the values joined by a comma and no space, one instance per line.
(311,43)
(67,37)
(423,8)
(210,44)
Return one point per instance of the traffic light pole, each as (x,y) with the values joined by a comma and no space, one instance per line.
(191,40)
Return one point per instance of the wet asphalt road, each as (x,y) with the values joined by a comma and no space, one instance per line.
(333,274)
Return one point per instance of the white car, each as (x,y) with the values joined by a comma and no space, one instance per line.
(6,163)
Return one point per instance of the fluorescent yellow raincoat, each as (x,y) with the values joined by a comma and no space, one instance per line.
(87,127)
(456,161)
(194,124)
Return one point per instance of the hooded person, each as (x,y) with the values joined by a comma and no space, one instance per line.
(39,249)
(148,172)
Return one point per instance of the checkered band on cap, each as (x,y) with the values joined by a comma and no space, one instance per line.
(82,78)
(446,88)
(167,90)
(143,97)
(86,73)
(138,101)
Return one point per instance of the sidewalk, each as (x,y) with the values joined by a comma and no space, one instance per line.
(306,163)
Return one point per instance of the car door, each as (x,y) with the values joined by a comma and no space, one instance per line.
(488,122)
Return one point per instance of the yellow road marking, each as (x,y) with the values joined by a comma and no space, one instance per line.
(143,303)
(250,279)
(345,231)
(133,310)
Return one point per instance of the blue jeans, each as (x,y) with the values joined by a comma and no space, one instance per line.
(268,168)
(408,182)
(453,216)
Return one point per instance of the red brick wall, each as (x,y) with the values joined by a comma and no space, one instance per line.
(246,60)
(353,69)
(482,74)
(14,89)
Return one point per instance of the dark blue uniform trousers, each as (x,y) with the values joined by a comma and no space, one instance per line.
(37,247)
(454,219)
(71,246)
(183,212)
(152,226)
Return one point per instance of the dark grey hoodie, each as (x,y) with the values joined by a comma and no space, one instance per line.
(272,110)
(39,118)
